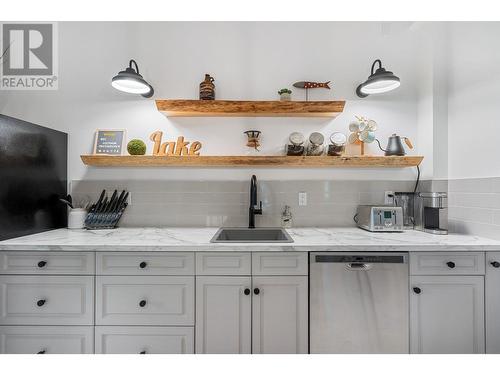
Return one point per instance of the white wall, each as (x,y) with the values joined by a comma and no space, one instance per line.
(474,100)
(432,100)
(249,61)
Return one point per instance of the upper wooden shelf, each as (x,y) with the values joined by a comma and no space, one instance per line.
(235,108)
(254,161)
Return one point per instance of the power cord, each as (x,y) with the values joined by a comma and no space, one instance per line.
(414,195)
(418,179)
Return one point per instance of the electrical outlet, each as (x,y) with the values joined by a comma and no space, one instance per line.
(389,197)
(302,198)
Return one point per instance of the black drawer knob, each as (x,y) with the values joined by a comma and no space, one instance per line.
(142,303)
(40,302)
(256,291)
(41,352)
(450,264)
(246,291)
(42,264)
(143,352)
(495,264)
(143,264)
(417,290)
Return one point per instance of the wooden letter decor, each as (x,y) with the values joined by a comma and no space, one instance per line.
(178,148)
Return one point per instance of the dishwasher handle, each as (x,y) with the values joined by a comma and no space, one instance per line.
(358,266)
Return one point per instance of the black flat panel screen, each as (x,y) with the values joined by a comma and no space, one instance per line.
(33,176)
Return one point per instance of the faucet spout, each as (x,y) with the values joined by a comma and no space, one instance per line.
(253,209)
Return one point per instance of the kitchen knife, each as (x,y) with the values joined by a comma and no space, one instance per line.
(93,209)
(107,209)
(119,211)
(98,212)
(99,201)
(115,207)
(104,210)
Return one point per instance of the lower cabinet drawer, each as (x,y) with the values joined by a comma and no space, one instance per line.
(447,263)
(145,263)
(145,300)
(46,340)
(47,300)
(280,264)
(144,340)
(223,263)
(46,263)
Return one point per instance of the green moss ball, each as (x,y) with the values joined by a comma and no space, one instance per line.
(136,147)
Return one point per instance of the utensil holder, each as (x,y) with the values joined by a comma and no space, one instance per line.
(76,218)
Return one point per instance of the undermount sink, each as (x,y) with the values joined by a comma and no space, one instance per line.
(251,235)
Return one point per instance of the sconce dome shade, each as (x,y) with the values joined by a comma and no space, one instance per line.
(378,82)
(129,80)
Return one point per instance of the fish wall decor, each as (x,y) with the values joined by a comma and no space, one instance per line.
(311,85)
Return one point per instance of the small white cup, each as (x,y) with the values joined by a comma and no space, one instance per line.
(76,218)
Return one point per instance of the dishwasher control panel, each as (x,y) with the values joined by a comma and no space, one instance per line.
(359,258)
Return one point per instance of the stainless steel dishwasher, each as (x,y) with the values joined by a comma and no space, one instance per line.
(359,303)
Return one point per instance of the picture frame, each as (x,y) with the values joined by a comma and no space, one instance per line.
(109,141)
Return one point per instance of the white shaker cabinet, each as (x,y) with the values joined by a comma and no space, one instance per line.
(447,314)
(263,313)
(223,314)
(492,303)
(280,315)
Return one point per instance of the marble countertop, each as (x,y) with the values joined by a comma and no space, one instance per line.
(198,239)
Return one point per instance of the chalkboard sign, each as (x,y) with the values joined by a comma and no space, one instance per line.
(109,142)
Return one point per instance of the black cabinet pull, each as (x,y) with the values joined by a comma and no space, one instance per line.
(246,291)
(143,352)
(495,264)
(40,302)
(42,264)
(142,303)
(143,264)
(256,291)
(41,352)
(417,290)
(450,264)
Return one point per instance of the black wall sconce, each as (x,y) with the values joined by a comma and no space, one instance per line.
(129,80)
(378,82)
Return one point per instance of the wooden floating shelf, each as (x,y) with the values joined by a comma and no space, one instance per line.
(254,161)
(234,108)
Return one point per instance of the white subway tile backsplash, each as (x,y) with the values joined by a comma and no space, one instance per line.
(371,198)
(471,185)
(216,203)
(478,200)
(496,218)
(472,214)
(495,185)
(474,204)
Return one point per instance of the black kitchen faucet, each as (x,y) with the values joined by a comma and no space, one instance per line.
(253,209)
